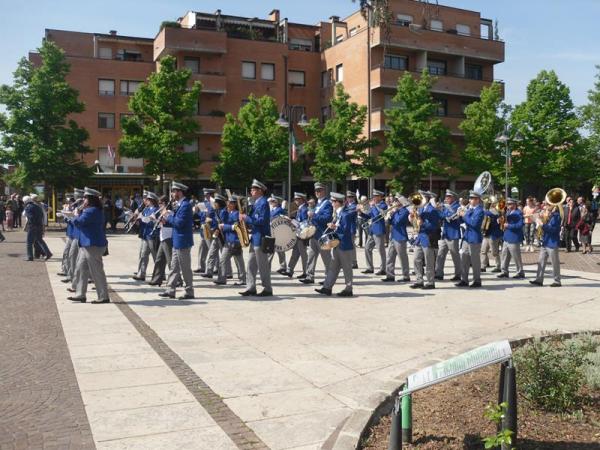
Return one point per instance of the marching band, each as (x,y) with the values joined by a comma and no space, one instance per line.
(326,228)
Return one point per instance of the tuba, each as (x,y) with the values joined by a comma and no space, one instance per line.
(418,201)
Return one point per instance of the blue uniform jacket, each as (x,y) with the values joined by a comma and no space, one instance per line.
(302,213)
(260,221)
(551,229)
(146,228)
(430,225)
(231,218)
(352,208)
(34,214)
(513,234)
(70,227)
(217,216)
(182,222)
(399,222)
(377,227)
(344,228)
(451,229)
(90,224)
(277,211)
(494,232)
(323,216)
(473,218)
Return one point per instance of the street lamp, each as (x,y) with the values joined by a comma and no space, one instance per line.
(285,121)
(503,138)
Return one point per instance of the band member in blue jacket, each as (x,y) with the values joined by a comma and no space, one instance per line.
(320,218)
(233,246)
(148,235)
(550,244)
(471,245)
(215,218)
(299,251)
(450,237)
(426,243)
(398,241)
(182,222)
(277,210)
(92,245)
(352,205)
(204,243)
(492,237)
(376,237)
(342,254)
(513,237)
(259,219)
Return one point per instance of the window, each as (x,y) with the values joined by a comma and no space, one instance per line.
(442,107)
(245,101)
(107,162)
(436,25)
(296,78)
(326,78)
(324,114)
(106,120)
(249,70)
(339,38)
(436,67)
(301,44)
(128,87)
(105,53)
(395,62)
(192,147)
(463,107)
(389,103)
(474,71)
(106,87)
(192,63)
(339,73)
(267,71)
(129,55)
(464,30)
(132,162)
(404,20)
(352,31)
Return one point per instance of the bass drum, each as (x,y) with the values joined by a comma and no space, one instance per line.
(284,233)
(305,230)
(329,241)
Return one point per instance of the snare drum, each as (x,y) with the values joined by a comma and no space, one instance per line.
(329,241)
(305,230)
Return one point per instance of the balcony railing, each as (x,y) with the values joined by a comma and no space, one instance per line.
(464,76)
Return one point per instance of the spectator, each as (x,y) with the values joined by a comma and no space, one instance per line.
(2,211)
(584,230)
(35,229)
(595,205)
(20,209)
(108,212)
(571,219)
(9,215)
(529,230)
(118,211)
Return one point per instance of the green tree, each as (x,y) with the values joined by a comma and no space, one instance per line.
(39,135)
(552,151)
(485,119)
(338,147)
(417,142)
(163,122)
(591,118)
(253,146)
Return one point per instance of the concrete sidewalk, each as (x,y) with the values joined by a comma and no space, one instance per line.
(296,371)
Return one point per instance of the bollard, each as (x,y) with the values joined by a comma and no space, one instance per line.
(407,419)
(510,396)
(501,388)
(396,426)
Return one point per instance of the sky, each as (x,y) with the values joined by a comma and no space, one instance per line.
(540,34)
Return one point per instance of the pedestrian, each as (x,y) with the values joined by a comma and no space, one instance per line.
(584,228)
(571,219)
(529,211)
(35,228)
(118,212)
(9,215)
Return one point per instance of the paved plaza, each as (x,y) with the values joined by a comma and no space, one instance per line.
(295,371)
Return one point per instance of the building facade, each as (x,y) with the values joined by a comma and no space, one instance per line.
(297,64)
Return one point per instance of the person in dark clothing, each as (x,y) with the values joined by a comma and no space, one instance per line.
(35,229)
(21,208)
(571,218)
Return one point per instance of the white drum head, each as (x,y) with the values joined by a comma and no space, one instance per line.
(283,232)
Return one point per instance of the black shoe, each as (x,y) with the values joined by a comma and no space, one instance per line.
(220,283)
(106,300)
(502,275)
(77,299)
(288,274)
(186,297)
(301,276)
(166,295)
(307,281)
(155,283)
(28,259)
(429,286)
(282,272)
(66,280)
(206,275)
(475,284)
(61,274)
(388,279)
(47,257)
(439,278)
(265,293)
(355,266)
(416,286)
(70,289)
(367,271)
(198,271)
(321,283)
(404,280)
(461,284)
(455,278)
(229,277)
(345,293)
(247,293)
(494,270)
(483,270)
(323,291)
(519,276)
(556,284)
(135,277)
(536,282)
(381,272)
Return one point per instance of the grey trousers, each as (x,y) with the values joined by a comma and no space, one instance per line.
(64,268)
(298,252)
(89,263)
(225,260)
(377,242)
(469,256)
(493,245)
(162,261)
(313,253)
(397,248)
(514,251)
(341,259)
(146,249)
(73,252)
(258,262)
(181,266)
(445,246)
(203,254)
(554,260)
(425,264)
(212,261)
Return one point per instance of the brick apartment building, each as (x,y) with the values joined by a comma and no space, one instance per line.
(297,64)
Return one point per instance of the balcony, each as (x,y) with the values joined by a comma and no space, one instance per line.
(173,40)
(211,124)
(378,120)
(212,83)
(450,121)
(441,42)
(382,78)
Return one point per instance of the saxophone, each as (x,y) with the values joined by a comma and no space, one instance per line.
(240,229)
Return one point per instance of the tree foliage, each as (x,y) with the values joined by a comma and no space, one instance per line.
(253,146)
(485,119)
(552,151)
(417,142)
(39,135)
(338,147)
(163,122)
(591,119)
